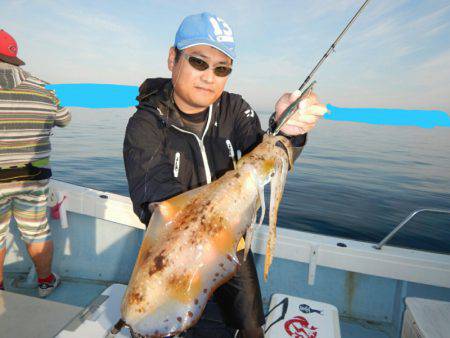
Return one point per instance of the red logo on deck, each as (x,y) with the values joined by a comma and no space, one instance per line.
(298,327)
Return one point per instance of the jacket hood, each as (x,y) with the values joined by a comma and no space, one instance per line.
(151,87)
(11,76)
(156,94)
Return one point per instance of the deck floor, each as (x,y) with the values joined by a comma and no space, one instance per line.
(352,329)
(81,293)
(77,292)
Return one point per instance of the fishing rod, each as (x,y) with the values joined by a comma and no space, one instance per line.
(275,126)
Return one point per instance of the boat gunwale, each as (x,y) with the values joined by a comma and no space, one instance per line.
(357,256)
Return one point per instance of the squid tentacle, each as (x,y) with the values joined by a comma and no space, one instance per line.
(259,204)
(276,191)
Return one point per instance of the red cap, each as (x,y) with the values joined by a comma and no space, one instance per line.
(8,49)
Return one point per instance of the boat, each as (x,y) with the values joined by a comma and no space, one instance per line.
(97,238)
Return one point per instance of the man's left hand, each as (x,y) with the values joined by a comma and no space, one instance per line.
(309,111)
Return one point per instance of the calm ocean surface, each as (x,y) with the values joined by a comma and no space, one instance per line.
(352,180)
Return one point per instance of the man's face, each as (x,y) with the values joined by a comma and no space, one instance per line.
(194,90)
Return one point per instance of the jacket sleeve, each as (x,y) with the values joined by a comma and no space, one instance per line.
(62,117)
(148,170)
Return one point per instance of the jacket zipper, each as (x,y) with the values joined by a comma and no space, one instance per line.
(201,145)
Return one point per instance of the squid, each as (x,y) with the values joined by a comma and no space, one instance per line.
(189,248)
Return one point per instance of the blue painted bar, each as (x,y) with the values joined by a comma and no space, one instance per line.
(90,95)
(392,117)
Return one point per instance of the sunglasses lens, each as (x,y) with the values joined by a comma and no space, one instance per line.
(201,65)
(222,71)
(197,63)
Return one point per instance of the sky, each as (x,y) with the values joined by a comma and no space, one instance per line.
(396,55)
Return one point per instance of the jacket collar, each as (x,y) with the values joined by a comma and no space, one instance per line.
(157,94)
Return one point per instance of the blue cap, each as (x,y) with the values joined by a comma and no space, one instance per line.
(206,29)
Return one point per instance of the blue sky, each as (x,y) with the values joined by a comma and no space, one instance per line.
(397,54)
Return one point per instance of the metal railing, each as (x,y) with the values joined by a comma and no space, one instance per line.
(406,220)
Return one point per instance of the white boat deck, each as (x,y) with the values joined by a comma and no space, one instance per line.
(97,240)
(67,306)
(24,316)
(351,329)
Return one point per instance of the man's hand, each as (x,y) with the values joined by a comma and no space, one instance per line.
(309,111)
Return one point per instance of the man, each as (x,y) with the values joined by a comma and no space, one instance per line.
(28,111)
(187,132)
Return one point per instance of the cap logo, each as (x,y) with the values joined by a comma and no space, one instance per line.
(222,31)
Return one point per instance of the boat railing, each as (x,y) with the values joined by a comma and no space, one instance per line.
(406,220)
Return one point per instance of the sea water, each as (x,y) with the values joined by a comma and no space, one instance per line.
(352,180)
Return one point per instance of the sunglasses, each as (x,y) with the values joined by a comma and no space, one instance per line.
(202,65)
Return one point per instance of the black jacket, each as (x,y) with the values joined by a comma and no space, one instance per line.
(163,160)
